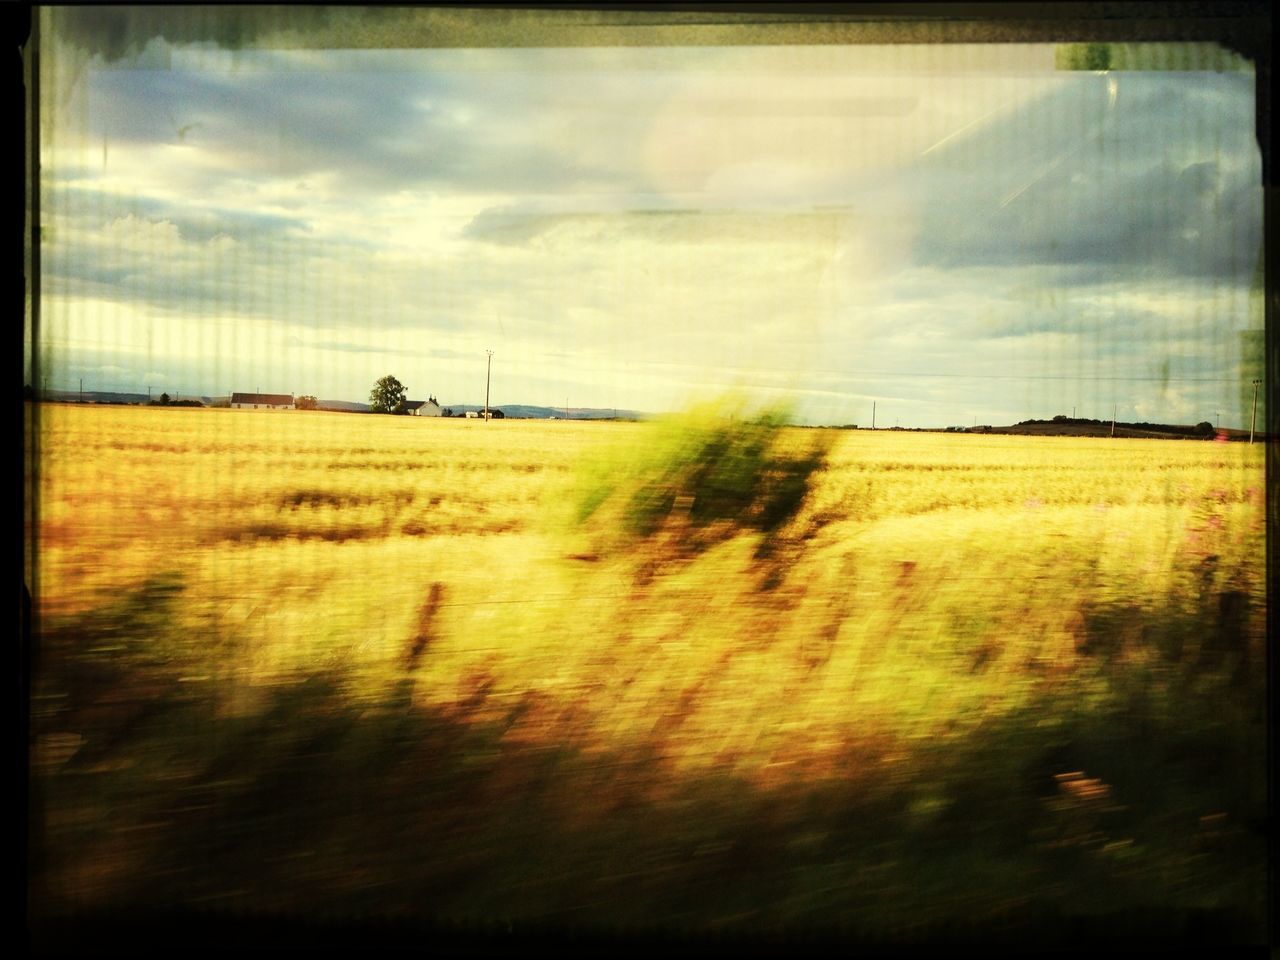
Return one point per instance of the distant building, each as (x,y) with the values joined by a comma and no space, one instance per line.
(262,401)
(423,408)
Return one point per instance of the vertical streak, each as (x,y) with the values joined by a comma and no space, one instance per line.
(33,292)
(32,425)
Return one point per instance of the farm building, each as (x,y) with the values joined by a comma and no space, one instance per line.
(422,408)
(262,401)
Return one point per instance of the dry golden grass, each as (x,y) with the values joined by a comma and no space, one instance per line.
(930,583)
(322,664)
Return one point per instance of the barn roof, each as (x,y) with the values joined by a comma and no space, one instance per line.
(264,399)
(413,404)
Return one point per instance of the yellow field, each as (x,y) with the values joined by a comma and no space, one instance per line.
(591,673)
(931,582)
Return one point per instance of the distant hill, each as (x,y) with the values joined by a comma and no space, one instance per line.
(1079,427)
(108,396)
(93,396)
(346,406)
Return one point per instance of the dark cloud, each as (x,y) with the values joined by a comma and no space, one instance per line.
(1089,316)
(378,129)
(146,250)
(1165,181)
(91,209)
(517,224)
(510,225)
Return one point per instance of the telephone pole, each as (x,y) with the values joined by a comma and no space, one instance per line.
(1253,417)
(1113,419)
(873,414)
(488,368)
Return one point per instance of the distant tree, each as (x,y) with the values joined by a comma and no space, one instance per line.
(305,402)
(1205,429)
(164,399)
(387,396)
(447,412)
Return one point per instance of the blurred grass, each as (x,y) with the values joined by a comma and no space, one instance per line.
(318,802)
(988,680)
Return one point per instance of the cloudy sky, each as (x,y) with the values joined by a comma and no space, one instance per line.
(956,234)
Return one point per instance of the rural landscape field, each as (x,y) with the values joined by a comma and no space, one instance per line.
(710,673)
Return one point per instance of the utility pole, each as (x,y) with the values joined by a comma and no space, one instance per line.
(148,394)
(1253,417)
(1217,417)
(873,414)
(1113,419)
(82,389)
(486,383)
(1073,413)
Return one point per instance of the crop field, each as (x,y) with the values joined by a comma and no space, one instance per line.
(707,674)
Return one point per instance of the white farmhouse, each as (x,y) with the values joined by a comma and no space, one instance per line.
(422,408)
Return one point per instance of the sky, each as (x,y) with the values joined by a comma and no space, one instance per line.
(955,234)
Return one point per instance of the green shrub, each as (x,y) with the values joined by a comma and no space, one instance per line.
(723,468)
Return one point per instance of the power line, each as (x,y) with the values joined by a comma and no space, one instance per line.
(487,369)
